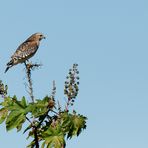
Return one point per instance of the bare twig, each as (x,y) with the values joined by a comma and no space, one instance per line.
(54,112)
(67,105)
(28,120)
(28,72)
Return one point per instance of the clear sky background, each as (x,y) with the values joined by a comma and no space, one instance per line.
(108,39)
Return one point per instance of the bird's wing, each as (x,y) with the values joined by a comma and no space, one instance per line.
(25,50)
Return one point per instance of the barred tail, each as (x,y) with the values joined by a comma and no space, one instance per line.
(9,65)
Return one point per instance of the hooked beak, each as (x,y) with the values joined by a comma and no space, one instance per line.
(43,37)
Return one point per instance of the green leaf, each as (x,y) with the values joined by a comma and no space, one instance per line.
(39,108)
(29,127)
(31,145)
(31,134)
(17,114)
(73,124)
(7,102)
(12,115)
(53,137)
(43,144)
(20,104)
(23,102)
(3,114)
(15,120)
(20,122)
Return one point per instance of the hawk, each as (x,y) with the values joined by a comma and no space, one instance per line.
(26,50)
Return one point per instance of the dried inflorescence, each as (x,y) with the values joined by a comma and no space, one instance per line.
(3,89)
(51,103)
(72,84)
(53,90)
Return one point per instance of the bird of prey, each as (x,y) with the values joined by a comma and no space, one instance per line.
(26,50)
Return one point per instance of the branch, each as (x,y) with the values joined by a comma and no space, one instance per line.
(28,120)
(36,137)
(43,118)
(29,67)
(28,72)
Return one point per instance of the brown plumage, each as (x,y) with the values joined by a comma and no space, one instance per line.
(26,50)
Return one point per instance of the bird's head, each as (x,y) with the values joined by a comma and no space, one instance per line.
(36,36)
(39,36)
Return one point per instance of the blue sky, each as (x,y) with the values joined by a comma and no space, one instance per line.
(108,39)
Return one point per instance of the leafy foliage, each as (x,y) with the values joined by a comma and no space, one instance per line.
(53,137)
(3,114)
(49,124)
(73,123)
(16,112)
